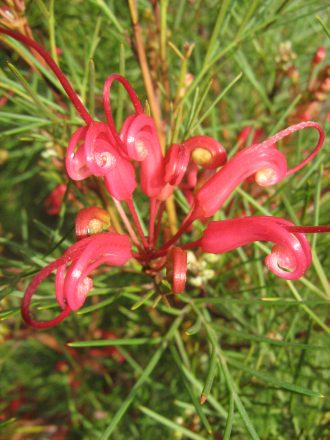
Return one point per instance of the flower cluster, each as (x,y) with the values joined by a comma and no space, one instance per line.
(198,166)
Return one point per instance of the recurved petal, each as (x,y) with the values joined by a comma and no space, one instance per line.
(290,257)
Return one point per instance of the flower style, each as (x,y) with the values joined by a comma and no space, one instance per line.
(197,165)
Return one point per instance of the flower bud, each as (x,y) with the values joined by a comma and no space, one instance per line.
(90,221)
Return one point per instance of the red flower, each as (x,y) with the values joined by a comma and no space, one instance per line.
(97,149)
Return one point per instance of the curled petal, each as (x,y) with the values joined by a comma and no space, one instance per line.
(107,106)
(75,160)
(176,269)
(100,153)
(101,158)
(90,221)
(108,248)
(290,257)
(73,283)
(203,150)
(265,162)
(176,163)
(142,144)
(120,180)
(70,255)
(91,152)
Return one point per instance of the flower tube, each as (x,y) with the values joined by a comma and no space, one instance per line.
(202,150)
(263,160)
(266,163)
(73,283)
(290,257)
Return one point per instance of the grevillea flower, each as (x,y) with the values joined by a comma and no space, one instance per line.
(198,166)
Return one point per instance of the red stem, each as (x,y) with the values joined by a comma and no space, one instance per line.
(57,71)
(136,220)
(308,229)
(159,222)
(154,205)
(186,223)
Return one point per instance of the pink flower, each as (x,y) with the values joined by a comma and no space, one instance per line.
(244,134)
(54,200)
(197,165)
(290,257)
(319,56)
(72,273)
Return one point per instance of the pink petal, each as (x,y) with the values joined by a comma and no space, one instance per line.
(100,154)
(291,256)
(120,180)
(75,160)
(142,144)
(176,163)
(32,287)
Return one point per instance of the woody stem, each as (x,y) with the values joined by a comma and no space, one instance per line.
(152,99)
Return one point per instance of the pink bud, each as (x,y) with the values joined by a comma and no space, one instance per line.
(244,134)
(54,200)
(206,151)
(319,56)
(289,259)
(90,221)
(176,269)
